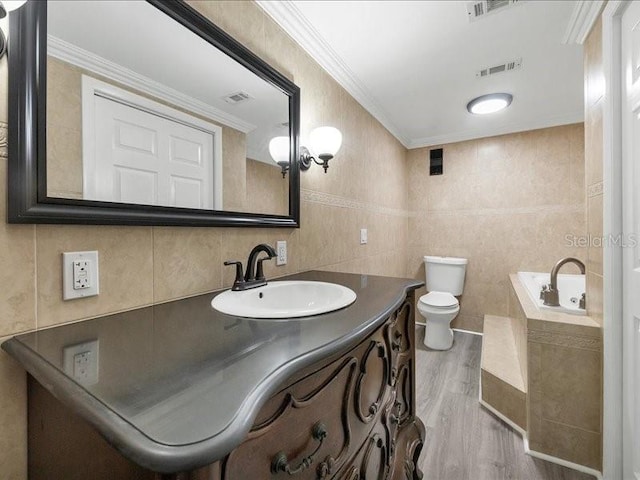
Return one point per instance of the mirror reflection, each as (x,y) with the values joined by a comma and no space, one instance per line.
(142,110)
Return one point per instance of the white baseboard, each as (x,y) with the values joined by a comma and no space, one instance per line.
(422,324)
(533,453)
(559,461)
(466,331)
(506,420)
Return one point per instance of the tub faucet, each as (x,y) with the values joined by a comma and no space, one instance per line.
(549,293)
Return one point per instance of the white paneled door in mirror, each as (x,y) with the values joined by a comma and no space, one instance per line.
(133,48)
(138,151)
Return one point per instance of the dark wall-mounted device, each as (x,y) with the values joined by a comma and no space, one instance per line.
(435,161)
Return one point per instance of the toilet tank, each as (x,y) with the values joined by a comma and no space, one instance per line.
(445,274)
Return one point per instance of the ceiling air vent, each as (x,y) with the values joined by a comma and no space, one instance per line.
(235,98)
(482,8)
(500,68)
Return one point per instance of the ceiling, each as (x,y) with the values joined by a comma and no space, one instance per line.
(123,42)
(413,64)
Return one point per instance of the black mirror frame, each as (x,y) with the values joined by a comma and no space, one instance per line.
(27,179)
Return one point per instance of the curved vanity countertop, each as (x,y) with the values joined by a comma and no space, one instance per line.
(180,384)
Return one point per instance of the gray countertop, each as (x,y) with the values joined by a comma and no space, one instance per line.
(180,384)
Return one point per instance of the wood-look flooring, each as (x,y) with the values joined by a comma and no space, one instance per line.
(463,440)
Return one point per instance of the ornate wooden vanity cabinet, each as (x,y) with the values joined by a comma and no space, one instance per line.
(348,417)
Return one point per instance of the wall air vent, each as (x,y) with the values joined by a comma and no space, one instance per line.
(482,8)
(500,68)
(235,98)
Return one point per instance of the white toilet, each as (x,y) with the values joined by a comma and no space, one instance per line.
(445,281)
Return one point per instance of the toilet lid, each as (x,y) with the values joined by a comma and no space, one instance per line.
(439,299)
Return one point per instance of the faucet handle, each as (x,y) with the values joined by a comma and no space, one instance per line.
(259,270)
(239,275)
(543,290)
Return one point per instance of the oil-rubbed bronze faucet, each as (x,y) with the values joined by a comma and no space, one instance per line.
(549,293)
(254,276)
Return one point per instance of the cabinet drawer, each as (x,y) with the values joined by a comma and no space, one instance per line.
(339,421)
(305,430)
(399,334)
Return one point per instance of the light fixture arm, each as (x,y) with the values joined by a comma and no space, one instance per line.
(284,167)
(306,158)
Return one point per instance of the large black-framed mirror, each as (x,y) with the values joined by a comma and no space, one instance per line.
(42,49)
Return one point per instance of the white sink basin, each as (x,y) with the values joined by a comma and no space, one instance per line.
(286,299)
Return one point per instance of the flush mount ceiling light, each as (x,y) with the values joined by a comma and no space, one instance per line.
(491,103)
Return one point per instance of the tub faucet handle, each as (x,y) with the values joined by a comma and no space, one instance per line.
(549,296)
(583,301)
(543,291)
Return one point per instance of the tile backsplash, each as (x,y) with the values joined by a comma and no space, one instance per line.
(143,265)
(506,203)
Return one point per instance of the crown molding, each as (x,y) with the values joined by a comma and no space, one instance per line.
(536,124)
(287,15)
(79,57)
(292,21)
(583,17)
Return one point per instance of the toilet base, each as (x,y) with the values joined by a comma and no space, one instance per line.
(438,336)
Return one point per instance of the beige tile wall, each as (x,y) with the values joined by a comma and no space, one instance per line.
(365,186)
(508,203)
(243,185)
(594,95)
(555,426)
(267,191)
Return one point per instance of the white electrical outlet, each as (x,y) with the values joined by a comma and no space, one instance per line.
(80,276)
(281,249)
(80,361)
(363,236)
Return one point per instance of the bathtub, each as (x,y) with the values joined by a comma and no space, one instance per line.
(570,289)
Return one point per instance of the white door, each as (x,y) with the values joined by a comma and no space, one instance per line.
(631,227)
(149,159)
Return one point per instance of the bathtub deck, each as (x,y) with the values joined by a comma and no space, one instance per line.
(463,440)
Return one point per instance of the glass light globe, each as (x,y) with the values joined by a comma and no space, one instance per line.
(279,150)
(491,103)
(10,5)
(325,142)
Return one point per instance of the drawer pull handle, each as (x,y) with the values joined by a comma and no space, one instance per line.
(280,462)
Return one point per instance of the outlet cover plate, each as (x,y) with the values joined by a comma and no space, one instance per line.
(363,236)
(281,250)
(69,279)
(80,362)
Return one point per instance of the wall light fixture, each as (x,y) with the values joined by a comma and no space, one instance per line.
(325,142)
(279,151)
(7,6)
